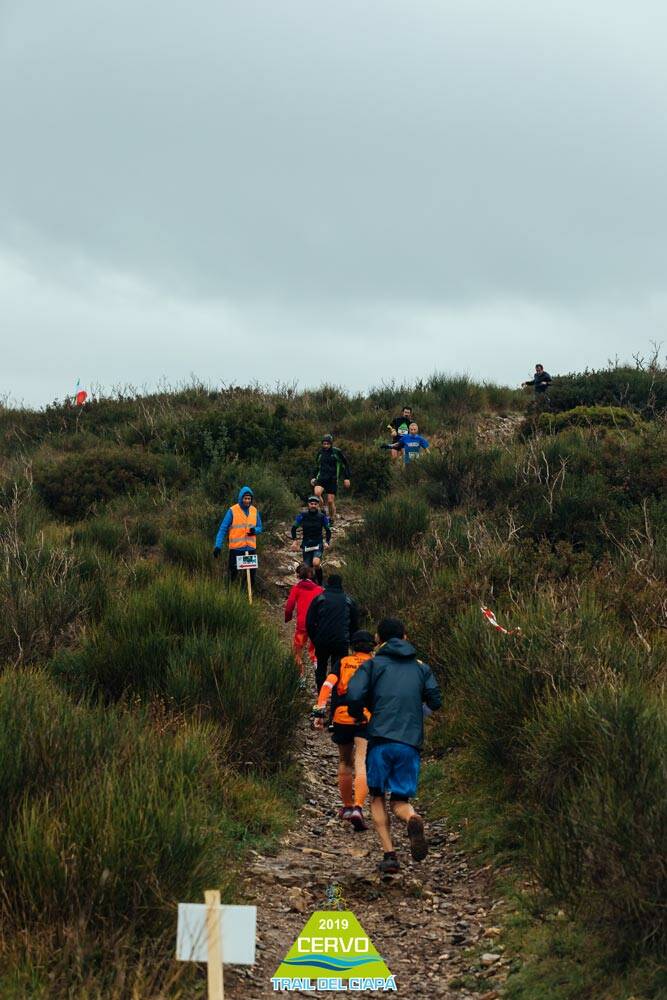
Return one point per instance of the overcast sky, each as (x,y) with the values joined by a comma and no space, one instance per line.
(350,191)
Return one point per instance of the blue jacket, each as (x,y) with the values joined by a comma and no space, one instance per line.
(411,445)
(226,522)
(393,685)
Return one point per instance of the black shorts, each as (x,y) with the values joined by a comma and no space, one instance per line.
(344,733)
(311,552)
(328,485)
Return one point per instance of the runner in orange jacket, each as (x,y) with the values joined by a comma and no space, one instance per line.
(348,734)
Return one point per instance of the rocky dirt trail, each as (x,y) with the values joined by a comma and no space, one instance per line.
(433,923)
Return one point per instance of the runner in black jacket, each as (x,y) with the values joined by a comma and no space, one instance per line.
(332,618)
(315,534)
(330,464)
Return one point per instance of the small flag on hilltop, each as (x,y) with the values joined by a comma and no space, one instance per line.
(80,395)
(491,619)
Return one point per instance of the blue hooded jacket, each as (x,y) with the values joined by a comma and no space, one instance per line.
(226,522)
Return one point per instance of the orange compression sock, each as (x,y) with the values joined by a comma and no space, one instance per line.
(360,790)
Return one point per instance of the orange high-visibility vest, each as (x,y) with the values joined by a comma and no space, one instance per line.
(238,532)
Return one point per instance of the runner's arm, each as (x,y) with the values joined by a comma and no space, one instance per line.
(326,689)
(346,465)
(297,521)
(327,528)
(432,695)
(290,604)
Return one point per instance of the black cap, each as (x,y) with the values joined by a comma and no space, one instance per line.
(327,437)
(362,638)
(313,499)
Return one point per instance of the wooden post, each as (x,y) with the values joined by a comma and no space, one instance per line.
(249,586)
(216,988)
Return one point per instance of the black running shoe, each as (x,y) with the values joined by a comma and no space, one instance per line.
(357,820)
(389,864)
(418,845)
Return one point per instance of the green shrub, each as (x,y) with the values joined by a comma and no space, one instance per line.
(72,485)
(46,590)
(588,416)
(384,581)
(272,497)
(371,471)
(107,815)
(202,649)
(643,389)
(103,532)
(192,553)
(145,532)
(396,522)
(248,431)
(596,771)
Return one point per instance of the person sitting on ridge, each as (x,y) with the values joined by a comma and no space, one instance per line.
(330,464)
(314,523)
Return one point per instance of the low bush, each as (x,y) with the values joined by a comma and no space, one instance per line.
(595,773)
(202,650)
(144,532)
(192,553)
(272,497)
(46,589)
(371,471)
(71,486)
(103,532)
(642,388)
(107,814)
(384,581)
(588,416)
(396,522)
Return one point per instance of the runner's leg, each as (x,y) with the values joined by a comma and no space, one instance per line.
(360,783)
(345,773)
(381,822)
(331,501)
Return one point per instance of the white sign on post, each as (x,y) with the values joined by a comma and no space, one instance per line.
(237,933)
(247,561)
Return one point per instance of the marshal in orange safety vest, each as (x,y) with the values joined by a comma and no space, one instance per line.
(240,525)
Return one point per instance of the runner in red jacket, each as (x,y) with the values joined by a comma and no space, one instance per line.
(300,596)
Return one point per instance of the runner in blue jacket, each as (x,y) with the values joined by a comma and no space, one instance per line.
(411,444)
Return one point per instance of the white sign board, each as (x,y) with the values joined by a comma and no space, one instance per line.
(237,931)
(247,561)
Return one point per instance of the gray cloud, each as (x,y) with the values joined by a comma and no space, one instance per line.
(353,168)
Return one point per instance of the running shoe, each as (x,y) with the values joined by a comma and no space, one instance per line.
(389,864)
(344,812)
(418,845)
(357,820)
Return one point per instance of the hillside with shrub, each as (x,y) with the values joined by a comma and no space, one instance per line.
(148,713)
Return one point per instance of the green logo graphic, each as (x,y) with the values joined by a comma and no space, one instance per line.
(333,944)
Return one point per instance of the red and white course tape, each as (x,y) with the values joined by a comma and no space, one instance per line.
(491,619)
